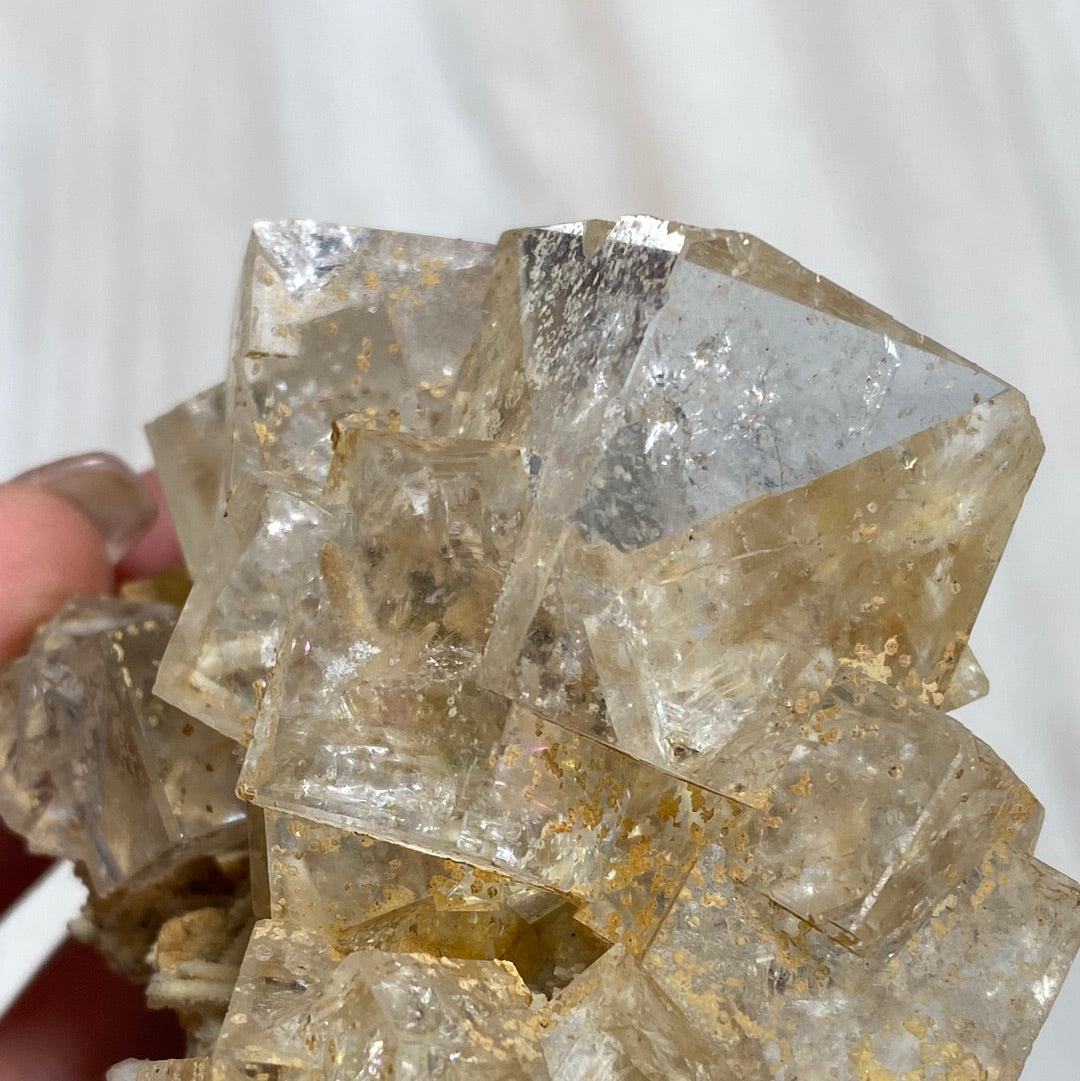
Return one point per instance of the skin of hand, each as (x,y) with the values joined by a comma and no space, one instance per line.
(77,1018)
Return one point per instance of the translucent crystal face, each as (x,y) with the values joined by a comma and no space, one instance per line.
(738,393)
(868,813)
(109,775)
(333,319)
(936,1007)
(233,622)
(749,478)
(583,611)
(711,380)
(190,445)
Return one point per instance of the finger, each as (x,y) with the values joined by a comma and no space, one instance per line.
(49,550)
(59,535)
(159,549)
(62,527)
(47,554)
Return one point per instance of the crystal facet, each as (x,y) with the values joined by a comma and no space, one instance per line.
(749,475)
(332,317)
(109,775)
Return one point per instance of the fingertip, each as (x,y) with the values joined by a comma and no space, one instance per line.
(159,549)
(49,550)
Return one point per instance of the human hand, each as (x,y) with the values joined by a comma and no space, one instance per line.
(77,1017)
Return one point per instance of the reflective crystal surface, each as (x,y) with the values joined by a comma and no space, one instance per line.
(393,1015)
(502,790)
(868,813)
(265,1033)
(189,445)
(189,1069)
(749,476)
(614,1022)
(334,319)
(303,1009)
(107,774)
(335,881)
(962,998)
(231,627)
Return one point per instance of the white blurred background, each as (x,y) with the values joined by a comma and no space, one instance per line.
(925,155)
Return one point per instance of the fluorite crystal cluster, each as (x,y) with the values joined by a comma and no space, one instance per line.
(576,620)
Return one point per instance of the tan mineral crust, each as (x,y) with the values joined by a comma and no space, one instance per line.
(562,689)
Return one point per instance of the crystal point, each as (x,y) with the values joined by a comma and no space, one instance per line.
(333,319)
(756,481)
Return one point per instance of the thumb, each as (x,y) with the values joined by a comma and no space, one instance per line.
(48,551)
(61,528)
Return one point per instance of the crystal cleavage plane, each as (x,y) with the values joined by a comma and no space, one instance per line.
(578,620)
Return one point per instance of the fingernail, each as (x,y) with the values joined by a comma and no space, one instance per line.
(106,490)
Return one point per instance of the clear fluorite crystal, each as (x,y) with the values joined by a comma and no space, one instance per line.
(869,813)
(749,476)
(232,624)
(107,774)
(414,1015)
(333,880)
(585,613)
(332,319)
(614,1022)
(189,445)
(962,998)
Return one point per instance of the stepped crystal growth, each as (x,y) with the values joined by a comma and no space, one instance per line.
(577,620)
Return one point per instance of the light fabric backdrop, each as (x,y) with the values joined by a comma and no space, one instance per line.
(923,154)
